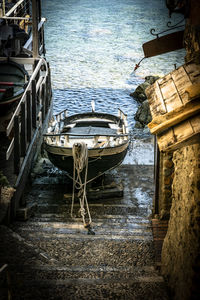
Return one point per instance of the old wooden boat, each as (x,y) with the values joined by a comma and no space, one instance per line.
(13,80)
(104,135)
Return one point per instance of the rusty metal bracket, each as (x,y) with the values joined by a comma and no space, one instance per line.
(170,27)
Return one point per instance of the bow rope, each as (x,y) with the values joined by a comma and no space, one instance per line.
(80,158)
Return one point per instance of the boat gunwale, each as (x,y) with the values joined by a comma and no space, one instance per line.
(99,150)
(85,135)
(86,114)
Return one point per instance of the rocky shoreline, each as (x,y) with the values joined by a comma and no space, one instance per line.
(143,114)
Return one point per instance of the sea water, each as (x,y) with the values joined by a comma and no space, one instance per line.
(93,46)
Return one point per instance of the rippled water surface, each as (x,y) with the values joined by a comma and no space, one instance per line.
(93,46)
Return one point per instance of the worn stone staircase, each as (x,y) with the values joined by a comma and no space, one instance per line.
(52,256)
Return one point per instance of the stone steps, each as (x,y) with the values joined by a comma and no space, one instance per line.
(65,262)
(90,289)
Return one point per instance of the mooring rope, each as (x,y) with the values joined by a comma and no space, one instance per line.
(80,158)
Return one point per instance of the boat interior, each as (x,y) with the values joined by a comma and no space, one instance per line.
(98,132)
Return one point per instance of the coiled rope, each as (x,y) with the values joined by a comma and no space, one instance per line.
(80,158)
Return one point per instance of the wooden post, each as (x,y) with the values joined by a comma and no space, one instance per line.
(156,176)
(49,84)
(16,145)
(43,40)
(23,129)
(43,102)
(29,116)
(36,61)
(47,93)
(45,98)
(34,104)
(35,28)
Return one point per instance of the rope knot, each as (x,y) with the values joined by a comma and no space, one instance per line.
(80,158)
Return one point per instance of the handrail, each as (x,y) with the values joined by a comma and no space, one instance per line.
(61,112)
(23,99)
(13,8)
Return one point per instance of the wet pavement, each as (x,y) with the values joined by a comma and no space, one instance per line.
(52,256)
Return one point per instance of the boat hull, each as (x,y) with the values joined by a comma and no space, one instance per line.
(99,161)
(13,79)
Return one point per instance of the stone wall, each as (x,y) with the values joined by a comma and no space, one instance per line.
(165,185)
(181,247)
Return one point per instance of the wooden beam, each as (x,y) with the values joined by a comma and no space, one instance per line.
(35,28)
(16,145)
(34,104)
(163,122)
(164,44)
(193,91)
(23,140)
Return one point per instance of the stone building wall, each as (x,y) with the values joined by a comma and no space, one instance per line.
(165,185)
(181,247)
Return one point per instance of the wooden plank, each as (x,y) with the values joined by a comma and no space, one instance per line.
(170,94)
(183,130)
(193,71)
(155,97)
(193,91)
(16,145)
(190,140)
(166,139)
(182,80)
(43,101)
(185,133)
(29,116)
(161,123)
(23,130)
(195,122)
(164,44)
(35,28)
(34,104)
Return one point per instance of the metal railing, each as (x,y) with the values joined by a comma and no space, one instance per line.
(30,112)
(21,13)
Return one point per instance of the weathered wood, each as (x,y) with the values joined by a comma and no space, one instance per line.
(16,145)
(161,123)
(182,80)
(165,139)
(35,28)
(193,91)
(43,101)
(186,132)
(23,130)
(182,130)
(193,71)
(170,92)
(34,104)
(154,95)
(190,140)
(156,175)
(195,123)
(29,117)
(164,44)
